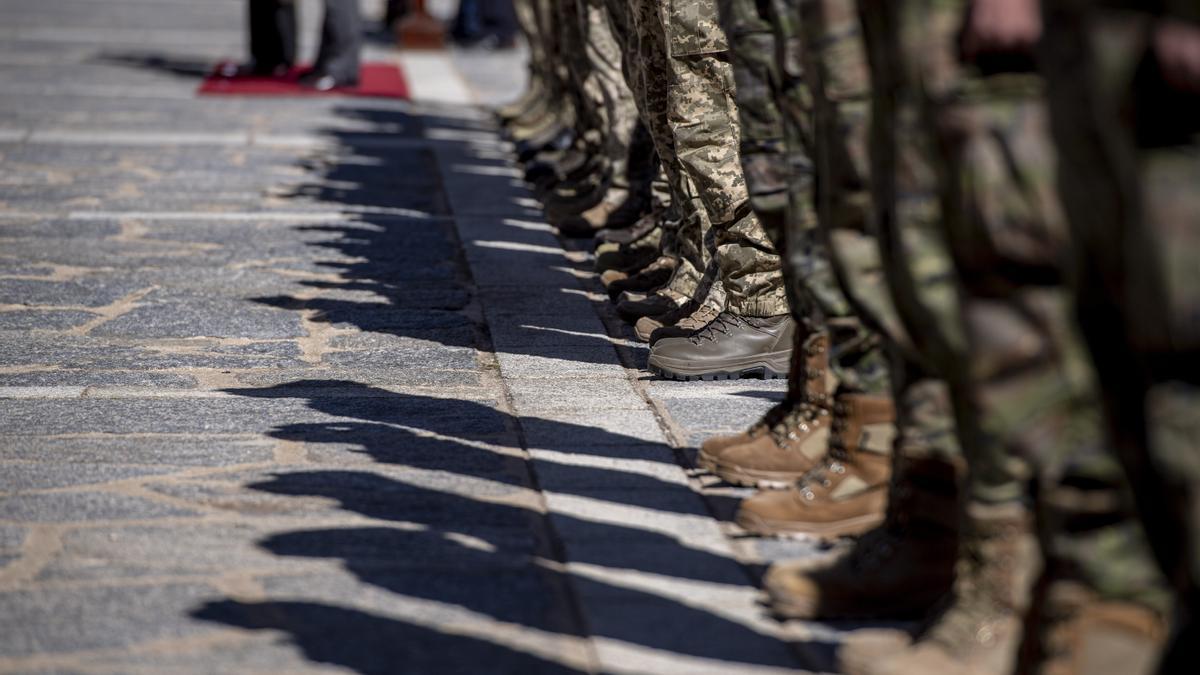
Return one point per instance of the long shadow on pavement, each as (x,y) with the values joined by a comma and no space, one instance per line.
(481,552)
(401,255)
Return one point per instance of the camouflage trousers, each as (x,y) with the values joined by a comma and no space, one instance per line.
(965,170)
(606,111)
(644,47)
(557,73)
(1129,144)
(688,80)
(776,147)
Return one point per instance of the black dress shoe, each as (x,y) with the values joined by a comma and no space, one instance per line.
(320,81)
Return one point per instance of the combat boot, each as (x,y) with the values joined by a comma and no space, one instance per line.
(845,494)
(629,257)
(661,301)
(684,322)
(896,571)
(637,230)
(574,197)
(797,394)
(650,277)
(585,225)
(532,118)
(551,137)
(552,166)
(1083,634)
(526,101)
(728,348)
(978,631)
(781,453)
(629,212)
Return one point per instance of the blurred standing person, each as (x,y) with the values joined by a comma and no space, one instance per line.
(338,58)
(273,42)
(272,37)
(1124,95)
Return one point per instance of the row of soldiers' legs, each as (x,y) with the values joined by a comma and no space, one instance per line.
(988,342)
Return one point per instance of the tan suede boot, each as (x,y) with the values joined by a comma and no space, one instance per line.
(846,494)
(898,570)
(979,629)
(779,453)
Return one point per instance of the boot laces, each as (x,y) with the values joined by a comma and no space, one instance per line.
(722,324)
(802,417)
(776,414)
(823,474)
(704,315)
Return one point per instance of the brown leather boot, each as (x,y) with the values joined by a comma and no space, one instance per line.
(1082,634)
(898,570)
(846,494)
(978,631)
(786,445)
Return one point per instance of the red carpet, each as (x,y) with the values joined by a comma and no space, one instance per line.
(375,79)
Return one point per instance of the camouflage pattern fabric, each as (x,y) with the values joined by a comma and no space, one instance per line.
(703,118)
(831,59)
(648,74)
(617,112)
(1027,394)
(1129,164)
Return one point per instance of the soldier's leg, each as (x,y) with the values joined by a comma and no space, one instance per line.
(527,25)
(651,82)
(1129,163)
(768,167)
(1030,382)
(754,334)
(554,110)
(614,115)
(1029,402)
(705,125)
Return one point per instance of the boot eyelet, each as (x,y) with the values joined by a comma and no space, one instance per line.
(803,427)
(837,467)
(808,494)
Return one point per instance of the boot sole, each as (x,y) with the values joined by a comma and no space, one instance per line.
(763,480)
(849,527)
(770,367)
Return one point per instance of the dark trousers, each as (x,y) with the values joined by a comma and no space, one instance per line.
(273,36)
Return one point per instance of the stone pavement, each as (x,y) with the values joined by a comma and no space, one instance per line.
(300,384)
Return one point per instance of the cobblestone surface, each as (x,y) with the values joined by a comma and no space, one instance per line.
(301,384)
